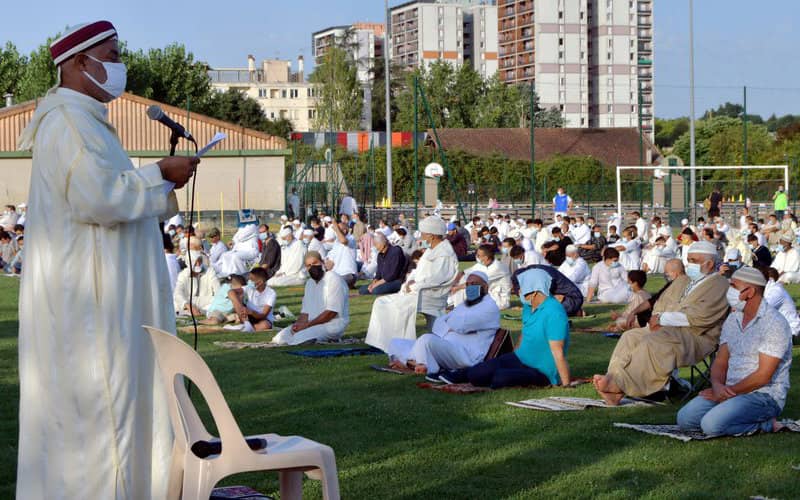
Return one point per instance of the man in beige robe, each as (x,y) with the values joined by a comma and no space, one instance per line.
(645,357)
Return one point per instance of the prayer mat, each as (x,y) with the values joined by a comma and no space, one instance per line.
(389,369)
(453,388)
(674,432)
(561,403)
(238,493)
(270,345)
(336,353)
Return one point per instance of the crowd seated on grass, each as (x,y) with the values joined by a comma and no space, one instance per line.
(197,281)
(254,304)
(608,282)
(498,275)
(291,271)
(458,339)
(390,268)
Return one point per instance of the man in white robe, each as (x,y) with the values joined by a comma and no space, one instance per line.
(459,339)
(243,254)
(325,312)
(576,269)
(609,280)
(777,296)
(395,315)
(292,271)
(198,281)
(498,275)
(217,246)
(787,261)
(93,411)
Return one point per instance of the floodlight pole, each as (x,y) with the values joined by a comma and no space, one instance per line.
(692,175)
(387,79)
(533,151)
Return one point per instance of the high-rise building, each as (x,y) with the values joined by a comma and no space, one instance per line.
(281,92)
(592,59)
(459,32)
(364,42)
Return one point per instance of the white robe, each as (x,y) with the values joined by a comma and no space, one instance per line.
(788,264)
(93,411)
(203,290)
(243,254)
(610,284)
(656,258)
(779,298)
(578,273)
(499,284)
(293,270)
(215,254)
(395,315)
(330,294)
(460,338)
(631,256)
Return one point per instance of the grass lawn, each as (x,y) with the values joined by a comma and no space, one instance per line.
(393,440)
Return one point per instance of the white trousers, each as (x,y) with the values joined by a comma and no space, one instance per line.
(432,351)
(615,295)
(331,330)
(793,277)
(287,280)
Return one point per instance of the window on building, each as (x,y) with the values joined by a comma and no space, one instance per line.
(631,57)
(608,55)
(583,121)
(560,54)
(609,70)
(633,109)
(560,42)
(272,115)
(609,108)
(563,81)
(560,14)
(610,43)
(283,93)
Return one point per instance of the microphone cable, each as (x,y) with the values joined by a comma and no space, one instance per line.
(189,254)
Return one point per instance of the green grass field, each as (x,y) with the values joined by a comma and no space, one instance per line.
(394,440)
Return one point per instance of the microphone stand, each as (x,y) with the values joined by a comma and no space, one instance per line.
(173,142)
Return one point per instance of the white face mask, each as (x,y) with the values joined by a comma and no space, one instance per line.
(116,77)
(733,299)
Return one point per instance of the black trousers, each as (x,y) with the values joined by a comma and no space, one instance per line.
(503,371)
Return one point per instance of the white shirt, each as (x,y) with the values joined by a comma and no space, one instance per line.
(216,252)
(581,234)
(348,206)
(173,267)
(777,296)
(577,272)
(294,202)
(605,278)
(641,229)
(344,259)
(787,262)
(330,294)
(471,327)
(257,301)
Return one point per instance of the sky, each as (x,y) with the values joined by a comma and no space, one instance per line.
(737,42)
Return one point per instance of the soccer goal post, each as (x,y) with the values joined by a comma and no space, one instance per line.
(661,172)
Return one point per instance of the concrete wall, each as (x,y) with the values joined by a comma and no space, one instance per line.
(262,179)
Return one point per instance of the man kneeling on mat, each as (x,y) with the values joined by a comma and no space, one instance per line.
(459,339)
(540,356)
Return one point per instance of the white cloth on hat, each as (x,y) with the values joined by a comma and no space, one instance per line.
(327,219)
(570,249)
(433,225)
(284,232)
(750,275)
(732,254)
(703,248)
(480,274)
(787,237)
(663,231)
(284,218)
(308,232)
(684,222)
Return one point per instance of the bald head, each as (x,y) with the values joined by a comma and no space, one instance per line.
(674,269)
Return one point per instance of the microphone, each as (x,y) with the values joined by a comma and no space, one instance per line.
(156,113)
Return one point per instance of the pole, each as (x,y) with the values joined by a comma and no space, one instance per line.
(387,78)
(744,140)
(416,160)
(533,151)
(619,194)
(222,212)
(641,152)
(693,175)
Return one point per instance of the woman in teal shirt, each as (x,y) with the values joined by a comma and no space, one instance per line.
(540,357)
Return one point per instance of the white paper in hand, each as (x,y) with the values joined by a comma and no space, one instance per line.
(218,137)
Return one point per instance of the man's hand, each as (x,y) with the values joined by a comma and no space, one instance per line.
(299,326)
(329,264)
(408,286)
(653,324)
(178,169)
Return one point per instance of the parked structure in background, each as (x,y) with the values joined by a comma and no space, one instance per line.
(460,32)
(589,58)
(281,92)
(364,42)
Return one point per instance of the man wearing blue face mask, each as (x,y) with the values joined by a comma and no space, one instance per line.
(645,357)
(459,339)
(750,374)
(540,356)
(609,280)
(94,262)
(498,275)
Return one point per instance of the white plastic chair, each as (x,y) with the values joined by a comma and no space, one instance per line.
(289,455)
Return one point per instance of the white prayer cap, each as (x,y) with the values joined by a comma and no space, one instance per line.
(750,275)
(732,254)
(480,274)
(327,218)
(295,222)
(571,249)
(787,238)
(79,38)
(433,225)
(663,231)
(308,232)
(684,222)
(492,214)
(703,248)
(284,218)
(516,234)
(453,218)
(285,231)
(22,205)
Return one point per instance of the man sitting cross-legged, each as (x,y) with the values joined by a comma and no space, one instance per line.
(750,375)
(540,356)
(645,357)
(459,339)
(325,311)
(254,303)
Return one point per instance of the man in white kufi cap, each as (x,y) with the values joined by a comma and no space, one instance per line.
(645,357)
(93,411)
(293,270)
(395,315)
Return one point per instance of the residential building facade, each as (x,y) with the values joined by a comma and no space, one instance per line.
(592,59)
(281,92)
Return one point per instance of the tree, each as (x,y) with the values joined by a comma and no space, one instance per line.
(39,75)
(379,92)
(668,131)
(169,75)
(502,105)
(12,67)
(339,104)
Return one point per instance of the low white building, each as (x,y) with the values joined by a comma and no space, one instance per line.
(281,92)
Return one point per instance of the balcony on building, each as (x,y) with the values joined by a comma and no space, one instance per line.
(236,76)
(645,74)
(503,12)
(645,21)
(646,34)
(526,33)
(645,48)
(645,61)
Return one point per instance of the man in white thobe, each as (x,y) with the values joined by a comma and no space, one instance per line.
(576,269)
(787,261)
(348,206)
(325,312)
(243,254)
(93,412)
(217,246)
(498,275)
(609,280)
(395,315)
(459,339)
(197,281)
(777,296)
(292,271)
